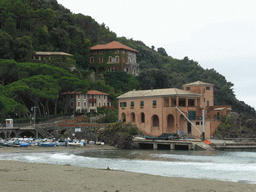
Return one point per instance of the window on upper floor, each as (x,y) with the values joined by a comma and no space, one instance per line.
(84,96)
(101,59)
(142,103)
(154,102)
(117,51)
(187,88)
(101,51)
(208,88)
(117,59)
(110,59)
(132,103)
(91,60)
(71,104)
(122,104)
(78,96)
(78,103)
(99,96)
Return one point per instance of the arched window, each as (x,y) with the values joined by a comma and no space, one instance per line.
(132,117)
(123,118)
(110,59)
(117,59)
(170,121)
(142,117)
(155,121)
(101,59)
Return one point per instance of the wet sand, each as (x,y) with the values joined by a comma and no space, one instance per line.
(20,176)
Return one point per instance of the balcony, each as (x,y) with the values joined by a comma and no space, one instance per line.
(92,100)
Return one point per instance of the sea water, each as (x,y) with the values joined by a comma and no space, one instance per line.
(218,165)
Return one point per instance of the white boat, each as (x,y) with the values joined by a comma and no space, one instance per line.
(76,143)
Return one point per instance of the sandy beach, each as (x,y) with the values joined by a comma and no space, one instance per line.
(20,176)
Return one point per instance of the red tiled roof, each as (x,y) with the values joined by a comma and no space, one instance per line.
(95,92)
(113,45)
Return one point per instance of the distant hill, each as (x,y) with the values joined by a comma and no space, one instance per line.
(44,25)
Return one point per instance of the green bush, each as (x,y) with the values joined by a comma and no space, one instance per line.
(119,135)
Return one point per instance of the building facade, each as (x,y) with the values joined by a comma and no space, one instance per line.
(88,102)
(113,56)
(42,56)
(48,57)
(160,111)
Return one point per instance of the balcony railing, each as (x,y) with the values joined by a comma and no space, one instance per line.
(92,100)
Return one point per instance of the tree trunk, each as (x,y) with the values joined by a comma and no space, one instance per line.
(47,106)
(38,108)
(55,109)
(66,103)
(44,112)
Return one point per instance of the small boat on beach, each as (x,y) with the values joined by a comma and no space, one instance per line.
(23,144)
(76,143)
(47,144)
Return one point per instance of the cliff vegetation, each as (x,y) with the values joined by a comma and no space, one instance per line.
(27,26)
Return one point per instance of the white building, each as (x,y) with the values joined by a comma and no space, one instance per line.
(89,101)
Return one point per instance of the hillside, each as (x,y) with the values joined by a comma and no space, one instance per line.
(44,25)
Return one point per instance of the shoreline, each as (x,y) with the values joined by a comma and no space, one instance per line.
(22,176)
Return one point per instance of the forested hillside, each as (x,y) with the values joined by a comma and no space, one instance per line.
(27,26)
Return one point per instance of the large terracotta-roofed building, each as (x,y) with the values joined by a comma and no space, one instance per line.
(113,56)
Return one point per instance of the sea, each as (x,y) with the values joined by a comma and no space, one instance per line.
(234,166)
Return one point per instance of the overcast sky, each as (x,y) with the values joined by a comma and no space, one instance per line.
(218,34)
